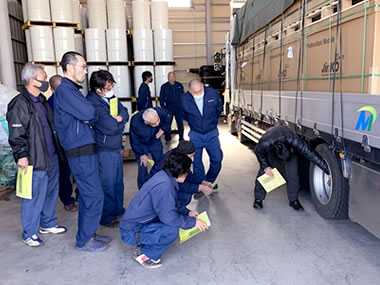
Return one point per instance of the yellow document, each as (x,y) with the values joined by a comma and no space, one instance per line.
(24,183)
(271,182)
(151,162)
(213,184)
(184,235)
(114,107)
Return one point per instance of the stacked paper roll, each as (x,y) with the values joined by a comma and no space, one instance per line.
(95,45)
(79,44)
(83,18)
(38,10)
(61,11)
(64,41)
(160,17)
(143,45)
(141,14)
(117,18)
(117,45)
(97,14)
(123,81)
(42,43)
(28,45)
(76,12)
(139,69)
(161,76)
(163,45)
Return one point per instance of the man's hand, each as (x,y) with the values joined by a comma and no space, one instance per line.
(119,119)
(204,189)
(269,171)
(201,225)
(23,163)
(193,214)
(144,160)
(159,134)
(208,184)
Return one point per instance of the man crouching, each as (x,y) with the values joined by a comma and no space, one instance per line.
(152,220)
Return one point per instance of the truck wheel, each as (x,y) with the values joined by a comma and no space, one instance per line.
(231,124)
(329,192)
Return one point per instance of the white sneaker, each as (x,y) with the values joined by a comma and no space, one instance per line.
(33,241)
(53,230)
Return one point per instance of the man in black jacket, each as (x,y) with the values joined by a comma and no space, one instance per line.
(281,144)
(34,142)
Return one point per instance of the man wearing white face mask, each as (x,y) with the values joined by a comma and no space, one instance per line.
(201,109)
(108,136)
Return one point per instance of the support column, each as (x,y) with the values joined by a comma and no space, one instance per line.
(7,67)
(208,32)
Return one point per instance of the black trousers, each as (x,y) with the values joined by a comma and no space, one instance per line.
(291,176)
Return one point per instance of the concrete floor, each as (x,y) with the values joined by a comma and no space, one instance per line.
(243,246)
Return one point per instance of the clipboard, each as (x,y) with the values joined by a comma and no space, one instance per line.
(185,235)
(270,183)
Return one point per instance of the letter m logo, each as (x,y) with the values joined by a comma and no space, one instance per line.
(365,122)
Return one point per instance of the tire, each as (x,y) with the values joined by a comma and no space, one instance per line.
(329,195)
(231,124)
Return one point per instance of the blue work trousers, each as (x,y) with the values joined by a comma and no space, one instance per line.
(179,120)
(143,175)
(65,186)
(85,170)
(111,177)
(210,142)
(40,210)
(154,238)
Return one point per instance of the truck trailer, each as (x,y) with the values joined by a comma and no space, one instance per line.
(313,65)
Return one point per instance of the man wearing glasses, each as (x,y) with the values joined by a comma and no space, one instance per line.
(73,116)
(147,127)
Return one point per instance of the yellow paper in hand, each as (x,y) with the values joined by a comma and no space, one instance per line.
(114,107)
(24,183)
(184,235)
(151,162)
(272,182)
(214,184)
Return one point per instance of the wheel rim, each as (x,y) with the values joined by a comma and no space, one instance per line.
(323,185)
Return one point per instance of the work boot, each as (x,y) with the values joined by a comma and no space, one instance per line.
(258,204)
(296,205)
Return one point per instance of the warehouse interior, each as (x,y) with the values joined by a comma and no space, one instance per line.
(273,245)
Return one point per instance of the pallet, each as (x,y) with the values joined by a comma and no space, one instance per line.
(29,24)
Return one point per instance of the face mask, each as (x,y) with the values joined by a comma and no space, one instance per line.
(44,85)
(199,97)
(109,94)
(151,80)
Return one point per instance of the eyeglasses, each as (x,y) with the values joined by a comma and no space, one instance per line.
(108,89)
(83,66)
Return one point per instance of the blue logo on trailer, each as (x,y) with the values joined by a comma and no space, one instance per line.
(365,122)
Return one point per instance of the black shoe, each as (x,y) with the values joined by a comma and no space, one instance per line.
(198,195)
(258,204)
(296,205)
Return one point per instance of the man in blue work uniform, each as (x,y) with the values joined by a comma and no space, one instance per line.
(152,220)
(108,136)
(147,127)
(201,109)
(73,115)
(144,99)
(170,99)
(65,186)
(193,184)
(34,142)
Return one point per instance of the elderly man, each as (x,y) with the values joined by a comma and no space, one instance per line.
(109,138)
(144,99)
(201,109)
(34,143)
(170,99)
(65,186)
(73,116)
(145,136)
